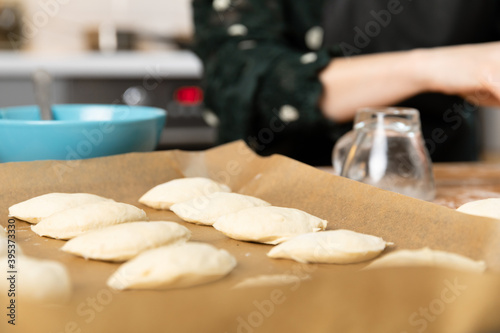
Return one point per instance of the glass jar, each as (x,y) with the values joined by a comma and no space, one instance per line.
(386,149)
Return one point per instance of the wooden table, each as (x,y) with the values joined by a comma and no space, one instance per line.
(458,183)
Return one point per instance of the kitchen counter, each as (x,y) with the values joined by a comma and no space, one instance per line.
(125,64)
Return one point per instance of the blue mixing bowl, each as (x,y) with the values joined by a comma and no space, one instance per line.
(78,131)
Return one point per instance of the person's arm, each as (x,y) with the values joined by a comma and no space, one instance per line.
(371,80)
(471,71)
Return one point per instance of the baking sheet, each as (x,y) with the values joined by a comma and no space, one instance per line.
(337,298)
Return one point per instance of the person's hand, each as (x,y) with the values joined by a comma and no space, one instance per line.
(470,71)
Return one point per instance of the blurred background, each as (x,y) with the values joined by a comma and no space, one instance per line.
(107,51)
(122,51)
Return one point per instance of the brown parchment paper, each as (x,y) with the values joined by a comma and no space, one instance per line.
(337,298)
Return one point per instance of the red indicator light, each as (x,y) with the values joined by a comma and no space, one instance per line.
(189,95)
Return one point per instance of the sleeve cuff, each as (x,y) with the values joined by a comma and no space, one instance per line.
(291,89)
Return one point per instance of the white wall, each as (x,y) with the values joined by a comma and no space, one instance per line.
(60,25)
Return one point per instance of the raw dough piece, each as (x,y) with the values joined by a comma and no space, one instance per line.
(124,241)
(40,281)
(269,225)
(37,208)
(3,233)
(75,221)
(487,207)
(207,209)
(271,280)
(165,195)
(428,257)
(330,247)
(173,266)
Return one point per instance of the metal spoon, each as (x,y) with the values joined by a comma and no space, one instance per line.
(43,81)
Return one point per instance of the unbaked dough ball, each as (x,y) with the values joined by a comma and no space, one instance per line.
(277,280)
(330,247)
(428,257)
(124,241)
(37,208)
(75,221)
(487,207)
(173,266)
(207,209)
(37,280)
(165,195)
(269,225)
